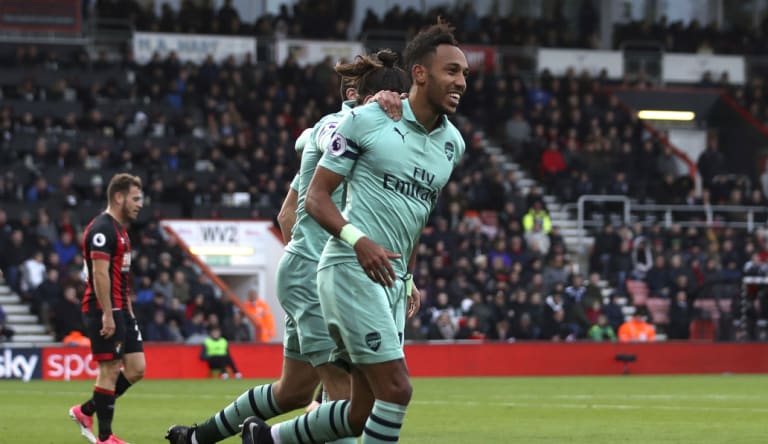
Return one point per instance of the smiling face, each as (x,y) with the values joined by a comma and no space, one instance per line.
(446,78)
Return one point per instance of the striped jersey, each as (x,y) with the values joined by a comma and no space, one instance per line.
(105,239)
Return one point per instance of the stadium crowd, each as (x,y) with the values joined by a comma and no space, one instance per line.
(207,138)
(513,29)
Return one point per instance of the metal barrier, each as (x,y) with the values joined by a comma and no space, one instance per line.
(598,198)
(700,216)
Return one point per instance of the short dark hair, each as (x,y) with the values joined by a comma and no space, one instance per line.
(375,72)
(122,183)
(425,43)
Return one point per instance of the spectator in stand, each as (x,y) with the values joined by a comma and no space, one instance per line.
(66,248)
(524,329)
(601,331)
(556,272)
(537,213)
(237,328)
(658,279)
(537,239)
(259,311)
(553,167)
(33,273)
(158,329)
(607,244)
(711,162)
(613,312)
(67,315)
(443,328)
(637,329)
(556,329)
(46,296)
(517,130)
(180,287)
(194,328)
(470,329)
(164,286)
(642,258)
(6,333)
(680,316)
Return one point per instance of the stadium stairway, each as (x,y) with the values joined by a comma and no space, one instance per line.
(27,327)
(578,252)
(569,229)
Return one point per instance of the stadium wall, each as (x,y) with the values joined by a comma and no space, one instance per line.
(428,360)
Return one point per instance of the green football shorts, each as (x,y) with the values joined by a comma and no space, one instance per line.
(365,319)
(306,334)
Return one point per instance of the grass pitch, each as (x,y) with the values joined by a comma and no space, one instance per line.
(588,410)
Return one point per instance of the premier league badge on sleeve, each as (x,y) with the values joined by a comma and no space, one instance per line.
(338,145)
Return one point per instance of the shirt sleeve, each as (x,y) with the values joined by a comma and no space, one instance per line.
(351,139)
(295,183)
(302,140)
(103,242)
(460,149)
(322,137)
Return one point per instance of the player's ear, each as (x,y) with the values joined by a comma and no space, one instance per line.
(350,93)
(419,73)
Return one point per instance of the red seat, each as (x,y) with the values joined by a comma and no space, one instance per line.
(708,306)
(702,329)
(638,290)
(725,305)
(658,308)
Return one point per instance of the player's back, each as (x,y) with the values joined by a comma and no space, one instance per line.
(307,236)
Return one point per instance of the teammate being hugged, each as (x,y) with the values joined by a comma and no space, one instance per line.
(107,313)
(307,345)
(394,172)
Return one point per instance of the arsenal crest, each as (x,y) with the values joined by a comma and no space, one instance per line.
(449,151)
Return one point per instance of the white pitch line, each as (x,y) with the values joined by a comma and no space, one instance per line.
(456,402)
(711,396)
(595,406)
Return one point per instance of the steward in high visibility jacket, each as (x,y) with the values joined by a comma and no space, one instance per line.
(216,353)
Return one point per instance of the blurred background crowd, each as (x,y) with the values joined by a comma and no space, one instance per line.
(216,140)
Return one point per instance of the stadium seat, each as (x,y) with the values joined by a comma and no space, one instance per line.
(638,290)
(708,308)
(702,329)
(658,308)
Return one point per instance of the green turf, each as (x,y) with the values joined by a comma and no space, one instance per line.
(633,409)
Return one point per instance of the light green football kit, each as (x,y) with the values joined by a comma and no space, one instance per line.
(306,334)
(394,172)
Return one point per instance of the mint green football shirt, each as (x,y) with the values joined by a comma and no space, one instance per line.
(307,236)
(394,172)
(301,142)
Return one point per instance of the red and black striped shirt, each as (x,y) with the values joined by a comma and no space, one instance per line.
(106,239)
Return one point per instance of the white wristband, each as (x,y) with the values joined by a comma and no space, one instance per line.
(408,285)
(350,234)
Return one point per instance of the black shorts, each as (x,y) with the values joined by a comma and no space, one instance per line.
(127,338)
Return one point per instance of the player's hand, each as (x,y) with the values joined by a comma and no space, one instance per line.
(375,260)
(414,302)
(391,103)
(107,325)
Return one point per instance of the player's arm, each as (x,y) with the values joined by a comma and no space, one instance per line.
(130,307)
(286,218)
(101,287)
(374,258)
